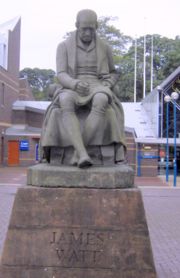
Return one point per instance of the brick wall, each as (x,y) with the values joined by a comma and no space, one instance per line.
(30,118)
(9,83)
(9,92)
(25,92)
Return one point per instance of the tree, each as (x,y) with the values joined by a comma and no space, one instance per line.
(39,80)
(163,49)
(123,60)
(166,58)
(117,40)
(173,57)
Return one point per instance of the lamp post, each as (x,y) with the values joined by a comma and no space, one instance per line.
(174,97)
(167,99)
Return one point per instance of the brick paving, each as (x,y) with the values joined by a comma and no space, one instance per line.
(7,194)
(10,180)
(162,206)
(150,181)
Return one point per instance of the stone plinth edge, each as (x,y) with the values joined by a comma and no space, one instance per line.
(45,175)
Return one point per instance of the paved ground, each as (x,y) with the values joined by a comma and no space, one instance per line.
(162,206)
(10,180)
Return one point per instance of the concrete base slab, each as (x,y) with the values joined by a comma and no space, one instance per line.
(46,175)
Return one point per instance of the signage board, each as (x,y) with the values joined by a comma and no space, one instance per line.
(24,145)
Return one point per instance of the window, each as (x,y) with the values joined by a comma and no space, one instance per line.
(3,55)
(2,94)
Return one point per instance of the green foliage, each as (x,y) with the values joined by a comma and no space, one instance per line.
(39,81)
(166,58)
(173,57)
(117,40)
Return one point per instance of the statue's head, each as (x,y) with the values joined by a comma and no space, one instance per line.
(86,23)
(86,18)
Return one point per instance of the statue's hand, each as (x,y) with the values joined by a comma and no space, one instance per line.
(106,83)
(82,88)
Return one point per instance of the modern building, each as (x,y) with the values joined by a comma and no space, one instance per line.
(153,132)
(11,87)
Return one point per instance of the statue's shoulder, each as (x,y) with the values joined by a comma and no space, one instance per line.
(68,42)
(71,39)
(102,42)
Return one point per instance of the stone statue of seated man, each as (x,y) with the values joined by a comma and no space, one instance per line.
(87,79)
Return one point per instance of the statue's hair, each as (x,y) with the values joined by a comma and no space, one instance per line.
(86,16)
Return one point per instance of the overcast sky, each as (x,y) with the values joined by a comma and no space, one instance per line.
(44,23)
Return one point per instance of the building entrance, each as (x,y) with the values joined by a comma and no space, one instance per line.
(13,153)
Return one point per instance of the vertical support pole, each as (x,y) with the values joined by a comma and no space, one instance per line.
(167,141)
(135,68)
(175,162)
(139,163)
(144,69)
(152,51)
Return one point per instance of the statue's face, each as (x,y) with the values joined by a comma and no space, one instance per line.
(86,34)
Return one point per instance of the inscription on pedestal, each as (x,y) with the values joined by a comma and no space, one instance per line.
(81,248)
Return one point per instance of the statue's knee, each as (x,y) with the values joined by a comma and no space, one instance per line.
(66,101)
(100,100)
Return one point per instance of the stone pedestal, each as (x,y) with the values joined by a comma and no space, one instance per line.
(77,233)
(46,175)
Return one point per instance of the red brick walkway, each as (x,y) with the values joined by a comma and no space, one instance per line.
(150,181)
(13,175)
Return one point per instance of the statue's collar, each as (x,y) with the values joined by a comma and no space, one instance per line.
(84,47)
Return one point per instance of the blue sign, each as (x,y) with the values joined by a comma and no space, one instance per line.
(37,152)
(24,145)
(141,156)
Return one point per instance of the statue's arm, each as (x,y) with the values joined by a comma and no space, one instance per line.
(62,68)
(110,60)
(112,77)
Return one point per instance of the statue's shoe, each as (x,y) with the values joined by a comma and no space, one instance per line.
(121,162)
(85,162)
(74,159)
